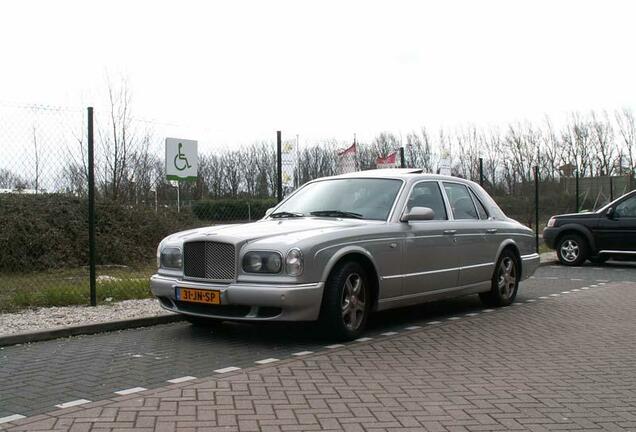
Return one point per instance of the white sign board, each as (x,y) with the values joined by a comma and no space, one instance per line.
(182,159)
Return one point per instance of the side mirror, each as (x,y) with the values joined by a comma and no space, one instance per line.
(610,213)
(419,214)
(269,211)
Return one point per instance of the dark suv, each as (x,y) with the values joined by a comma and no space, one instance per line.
(607,233)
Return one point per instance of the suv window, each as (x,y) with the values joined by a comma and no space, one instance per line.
(428,194)
(460,201)
(627,208)
(483,214)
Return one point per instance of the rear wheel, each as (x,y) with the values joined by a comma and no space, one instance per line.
(572,249)
(505,281)
(346,302)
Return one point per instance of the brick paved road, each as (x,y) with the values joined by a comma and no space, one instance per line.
(38,376)
(563,363)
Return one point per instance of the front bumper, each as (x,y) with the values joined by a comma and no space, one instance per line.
(244,301)
(549,236)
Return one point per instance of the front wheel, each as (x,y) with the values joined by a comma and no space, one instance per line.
(346,302)
(572,250)
(505,281)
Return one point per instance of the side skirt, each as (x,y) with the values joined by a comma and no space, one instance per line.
(412,299)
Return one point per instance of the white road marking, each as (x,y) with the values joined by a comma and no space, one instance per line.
(517,304)
(389,333)
(72,403)
(551,277)
(472,314)
(544,297)
(130,391)
(227,369)
(593,286)
(412,328)
(266,361)
(454,318)
(602,280)
(488,310)
(181,379)
(364,339)
(576,280)
(565,292)
(585,288)
(137,356)
(532,300)
(11,418)
(334,346)
(555,295)
(302,353)
(433,322)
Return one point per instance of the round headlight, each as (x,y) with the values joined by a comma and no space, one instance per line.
(171,258)
(273,263)
(294,262)
(252,262)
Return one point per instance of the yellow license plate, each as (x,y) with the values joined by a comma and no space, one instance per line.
(199,296)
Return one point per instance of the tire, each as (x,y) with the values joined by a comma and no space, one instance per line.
(203,322)
(572,249)
(599,259)
(505,281)
(346,303)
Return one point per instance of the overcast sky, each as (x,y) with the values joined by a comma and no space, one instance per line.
(232,72)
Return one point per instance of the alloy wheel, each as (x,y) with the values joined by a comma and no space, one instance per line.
(353,302)
(570,250)
(507,278)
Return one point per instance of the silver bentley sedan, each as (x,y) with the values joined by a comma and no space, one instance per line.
(341,247)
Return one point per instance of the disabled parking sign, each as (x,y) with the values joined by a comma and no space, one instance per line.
(182,159)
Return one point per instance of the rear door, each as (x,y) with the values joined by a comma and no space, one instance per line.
(618,233)
(475,239)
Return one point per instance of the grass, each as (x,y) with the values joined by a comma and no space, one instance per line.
(71,287)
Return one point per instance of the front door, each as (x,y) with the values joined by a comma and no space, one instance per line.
(431,261)
(618,232)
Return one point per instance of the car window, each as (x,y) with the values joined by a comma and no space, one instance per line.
(627,208)
(481,210)
(428,194)
(460,201)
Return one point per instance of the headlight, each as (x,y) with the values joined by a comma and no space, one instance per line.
(171,258)
(551,222)
(294,262)
(262,262)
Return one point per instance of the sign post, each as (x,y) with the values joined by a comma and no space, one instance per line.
(182,162)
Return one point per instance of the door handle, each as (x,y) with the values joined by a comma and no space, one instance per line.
(491,230)
(450,231)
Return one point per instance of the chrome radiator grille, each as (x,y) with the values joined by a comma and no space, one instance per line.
(209,260)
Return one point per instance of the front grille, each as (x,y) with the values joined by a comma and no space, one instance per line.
(209,260)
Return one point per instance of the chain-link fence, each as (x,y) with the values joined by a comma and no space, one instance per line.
(44,199)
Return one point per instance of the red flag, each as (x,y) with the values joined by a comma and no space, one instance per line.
(350,151)
(387,162)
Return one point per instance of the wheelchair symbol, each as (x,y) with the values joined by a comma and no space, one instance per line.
(180,160)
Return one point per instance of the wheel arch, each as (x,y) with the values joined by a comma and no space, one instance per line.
(576,229)
(511,245)
(365,259)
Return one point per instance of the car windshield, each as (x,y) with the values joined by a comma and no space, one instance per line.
(357,198)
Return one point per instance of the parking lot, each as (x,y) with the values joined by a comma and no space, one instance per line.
(562,358)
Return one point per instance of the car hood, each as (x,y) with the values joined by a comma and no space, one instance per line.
(586,215)
(292,228)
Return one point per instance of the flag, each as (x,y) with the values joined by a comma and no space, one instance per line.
(289,161)
(347,160)
(389,161)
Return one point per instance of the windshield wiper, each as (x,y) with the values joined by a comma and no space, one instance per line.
(286,214)
(337,213)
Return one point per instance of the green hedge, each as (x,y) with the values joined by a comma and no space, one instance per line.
(50,231)
(232,209)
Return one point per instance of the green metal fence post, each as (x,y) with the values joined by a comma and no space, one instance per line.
(481,172)
(91,210)
(536,206)
(576,188)
(279,166)
(402,160)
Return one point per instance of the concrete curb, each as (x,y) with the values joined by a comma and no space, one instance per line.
(62,332)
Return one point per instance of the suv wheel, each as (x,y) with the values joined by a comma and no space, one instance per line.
(505,281)
(572,250)
(346,302)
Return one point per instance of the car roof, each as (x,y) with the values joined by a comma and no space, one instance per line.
(398,173)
